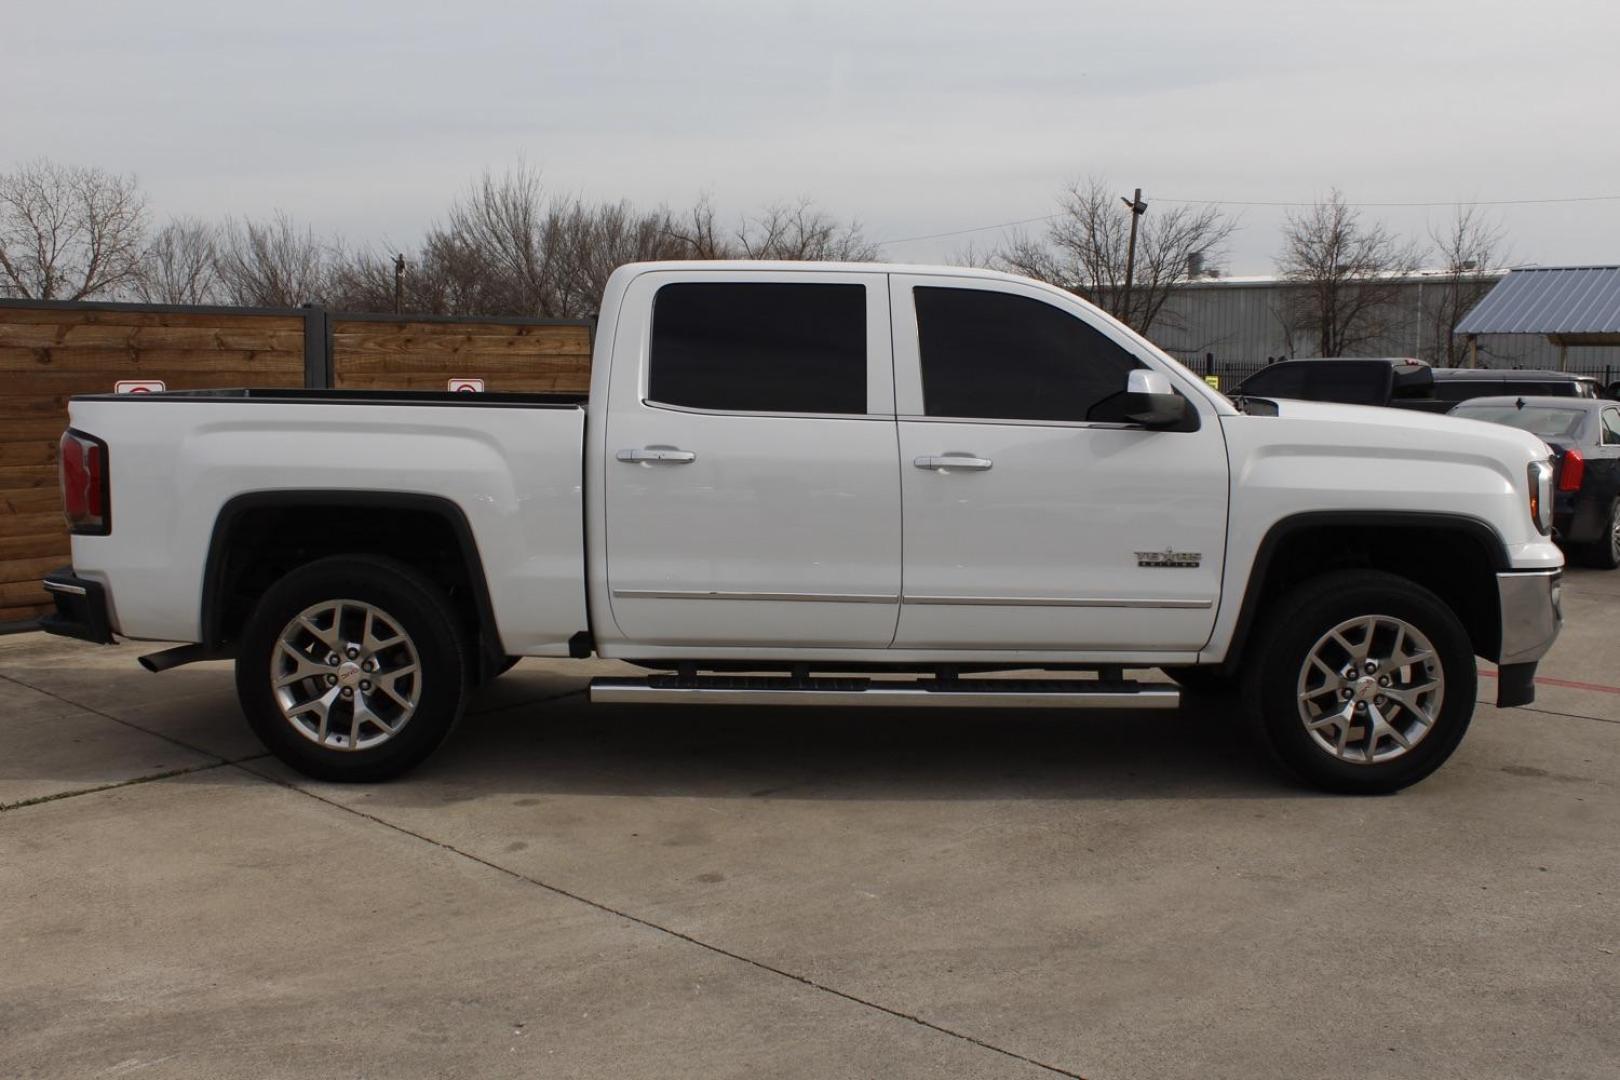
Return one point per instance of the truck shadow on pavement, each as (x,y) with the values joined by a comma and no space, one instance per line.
(556,743)
(533,733)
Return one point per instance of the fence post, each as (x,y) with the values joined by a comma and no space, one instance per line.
(317,348)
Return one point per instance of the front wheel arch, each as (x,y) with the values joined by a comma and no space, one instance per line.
(1455,556)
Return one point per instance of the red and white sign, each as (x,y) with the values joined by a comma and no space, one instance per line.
(467,386)
(139,386)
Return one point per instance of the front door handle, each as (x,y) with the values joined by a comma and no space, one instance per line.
(666,455)
(953,461)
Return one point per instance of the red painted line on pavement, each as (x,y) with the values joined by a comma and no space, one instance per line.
(1569,683)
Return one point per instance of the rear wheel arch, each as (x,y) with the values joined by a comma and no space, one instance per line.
(1452,555)
(257,539)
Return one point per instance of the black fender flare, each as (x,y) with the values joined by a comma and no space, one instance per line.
(215,566)
(1254,589)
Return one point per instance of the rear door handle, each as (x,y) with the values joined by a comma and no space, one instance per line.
(666,455)
(953,461)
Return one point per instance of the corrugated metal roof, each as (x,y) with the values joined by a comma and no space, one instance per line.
(1550,300)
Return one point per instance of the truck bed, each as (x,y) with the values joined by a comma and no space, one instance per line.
(508,466)
(298,396)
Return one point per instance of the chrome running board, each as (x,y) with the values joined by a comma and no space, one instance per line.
(933,693)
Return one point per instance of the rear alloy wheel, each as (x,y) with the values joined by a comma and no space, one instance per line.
(346,676)
(352,669)
(1364,682)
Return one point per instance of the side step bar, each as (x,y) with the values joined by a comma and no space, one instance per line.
(947,694)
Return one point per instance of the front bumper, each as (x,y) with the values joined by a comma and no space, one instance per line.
(81,608)
(1532,614)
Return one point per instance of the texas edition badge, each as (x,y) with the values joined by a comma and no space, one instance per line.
(1170,559)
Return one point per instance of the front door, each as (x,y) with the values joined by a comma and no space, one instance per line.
(1025,525)
(752,488)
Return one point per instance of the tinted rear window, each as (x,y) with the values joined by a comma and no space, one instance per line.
(1537,420)
(1322,380)
(1467,389)
(759,347)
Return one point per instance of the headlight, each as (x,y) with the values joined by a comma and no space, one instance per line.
(1541,497)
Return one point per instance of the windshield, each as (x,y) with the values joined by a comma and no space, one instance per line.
(1549,423)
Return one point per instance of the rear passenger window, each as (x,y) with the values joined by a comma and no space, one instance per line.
(1611,427)
(759,347)
(995,356)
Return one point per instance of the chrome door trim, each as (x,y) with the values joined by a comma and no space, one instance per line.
(711,594)
(627,691)
(965,462)
(1059,601)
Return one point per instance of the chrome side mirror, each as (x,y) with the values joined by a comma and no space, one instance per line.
(1148,381)
(1148,400)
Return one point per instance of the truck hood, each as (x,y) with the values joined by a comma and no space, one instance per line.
(1398,429)
(1366,460)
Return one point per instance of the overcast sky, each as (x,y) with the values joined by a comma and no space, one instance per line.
(914,117)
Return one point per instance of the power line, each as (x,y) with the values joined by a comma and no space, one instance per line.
(964,232)
(1443,202)
(1247,202)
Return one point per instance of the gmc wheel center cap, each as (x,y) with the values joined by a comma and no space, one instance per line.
(348,674)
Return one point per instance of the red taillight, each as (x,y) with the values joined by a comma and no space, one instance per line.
(1571,471)
(83,463)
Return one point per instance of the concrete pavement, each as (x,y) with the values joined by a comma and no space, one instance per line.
(575,891)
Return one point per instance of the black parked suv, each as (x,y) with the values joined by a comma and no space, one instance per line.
(1404,383)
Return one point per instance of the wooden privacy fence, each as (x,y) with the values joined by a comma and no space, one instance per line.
(51,351)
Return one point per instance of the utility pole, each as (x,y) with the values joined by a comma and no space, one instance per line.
(1137,208)
(399,283)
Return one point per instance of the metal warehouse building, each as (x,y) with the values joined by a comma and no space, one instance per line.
(1234,324)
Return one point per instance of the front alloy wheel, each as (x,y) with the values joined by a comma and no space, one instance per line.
(1360,681)
(1372,689)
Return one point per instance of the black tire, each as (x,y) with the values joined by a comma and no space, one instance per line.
(1302,618)
(1604,552)
(1202,681)
(416,606)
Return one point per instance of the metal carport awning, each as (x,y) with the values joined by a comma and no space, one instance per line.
(1569,305)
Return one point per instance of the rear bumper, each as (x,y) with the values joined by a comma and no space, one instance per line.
(81,608)
(1532,614)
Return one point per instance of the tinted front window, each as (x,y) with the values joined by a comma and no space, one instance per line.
(993,355)
(759,347)
(1547,423)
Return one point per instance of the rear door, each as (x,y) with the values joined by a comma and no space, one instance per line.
(752,492)
(1027,526)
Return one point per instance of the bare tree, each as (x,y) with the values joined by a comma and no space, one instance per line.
(180,265)
(68,232)
(508,247)
(1086,248)
(1347,277)
(799,231)
(1467,249)
(274,263)
(697,234)
(500,239)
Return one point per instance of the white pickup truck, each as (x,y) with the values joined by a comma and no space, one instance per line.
(830,485)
